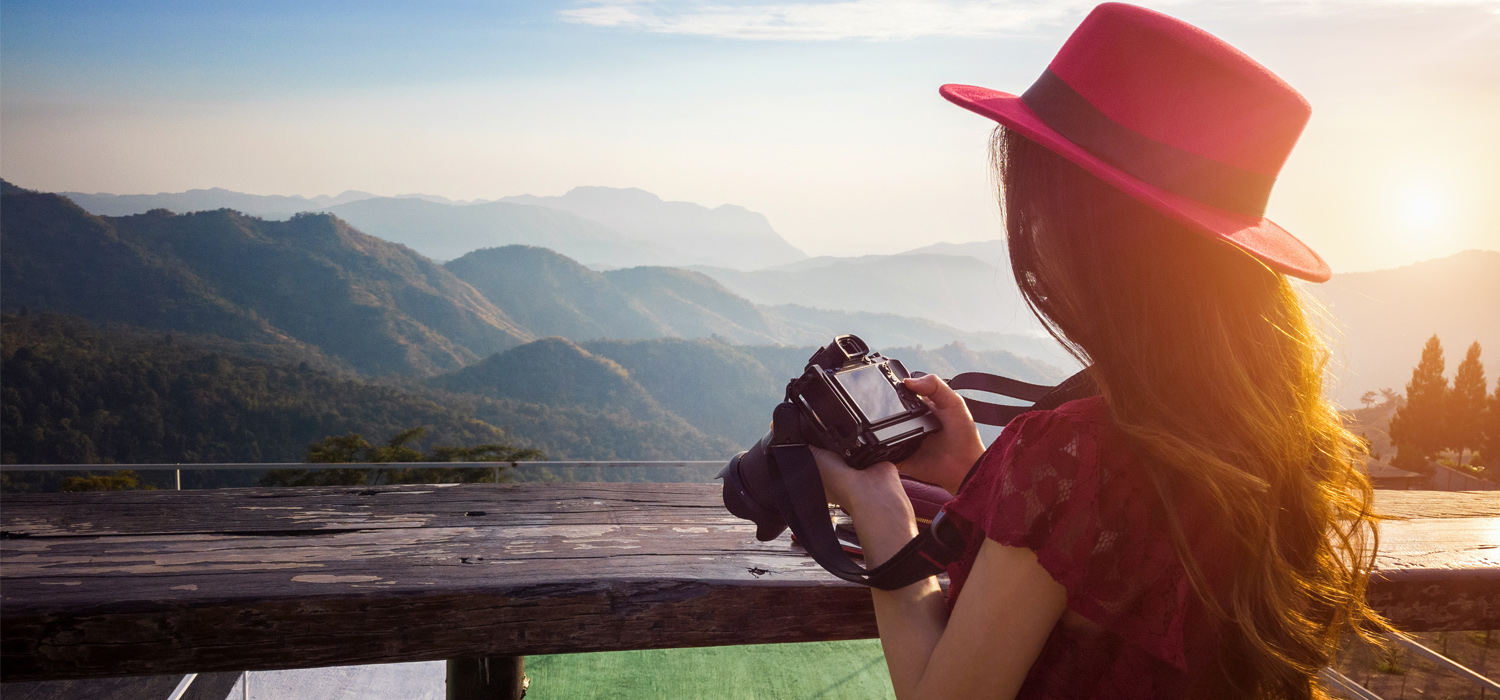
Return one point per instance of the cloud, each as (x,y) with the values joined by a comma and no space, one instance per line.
(850,19)
(908,19)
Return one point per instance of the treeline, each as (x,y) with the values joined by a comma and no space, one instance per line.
(1437,416)
(401,448)
(76,394)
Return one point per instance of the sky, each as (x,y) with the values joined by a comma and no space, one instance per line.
(824,116)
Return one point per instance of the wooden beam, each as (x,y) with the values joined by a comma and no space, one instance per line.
(122,583)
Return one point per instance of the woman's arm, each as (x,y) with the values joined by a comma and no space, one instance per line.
(1008,608)
(1001,622)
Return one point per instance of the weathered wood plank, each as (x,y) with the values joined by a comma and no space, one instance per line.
(1438,504)
(293,510)
(140,583)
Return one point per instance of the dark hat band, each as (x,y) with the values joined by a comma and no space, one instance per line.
(1153,162)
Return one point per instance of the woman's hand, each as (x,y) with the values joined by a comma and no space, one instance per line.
(945,457)
(874,498)
(876,487)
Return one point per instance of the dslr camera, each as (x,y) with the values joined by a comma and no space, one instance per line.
(849,401)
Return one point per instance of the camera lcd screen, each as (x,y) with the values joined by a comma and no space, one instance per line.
(872,393)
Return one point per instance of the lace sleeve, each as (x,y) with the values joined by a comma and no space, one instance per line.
(1054,485)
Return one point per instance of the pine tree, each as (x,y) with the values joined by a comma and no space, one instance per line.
(1417,427)
(1465,406)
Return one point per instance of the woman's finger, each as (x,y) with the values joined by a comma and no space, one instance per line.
(943,398)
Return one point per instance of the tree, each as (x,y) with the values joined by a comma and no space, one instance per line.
(1465,405)
(1368,399)
(353,448)
(111,481)
(1389,395)
(1417,427)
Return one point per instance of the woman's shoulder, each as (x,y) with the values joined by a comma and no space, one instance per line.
(1078,437)
(1044,463)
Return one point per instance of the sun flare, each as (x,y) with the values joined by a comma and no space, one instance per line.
(1422,209)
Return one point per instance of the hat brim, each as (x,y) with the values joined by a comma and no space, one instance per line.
(1258,236)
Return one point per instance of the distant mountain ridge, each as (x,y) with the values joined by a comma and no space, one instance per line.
(955,290)
(1382,318)
(446,232)
(728,235)
(601,226)
(263,206)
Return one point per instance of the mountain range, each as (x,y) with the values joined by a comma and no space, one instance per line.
(728,232)
(929,297)
(310,280)
(377,306)
(1376,322)
(956,290)
(599,226)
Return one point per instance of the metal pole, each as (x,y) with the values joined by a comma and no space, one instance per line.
(182,686)
(1333,678)
(1444,661)
(179,478)
(490,678)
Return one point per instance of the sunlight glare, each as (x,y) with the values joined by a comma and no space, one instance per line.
(1422,209)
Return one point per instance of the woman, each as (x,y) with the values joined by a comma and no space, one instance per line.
(1199,528)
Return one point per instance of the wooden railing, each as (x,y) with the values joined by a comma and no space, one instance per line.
(100,584)
(671,471)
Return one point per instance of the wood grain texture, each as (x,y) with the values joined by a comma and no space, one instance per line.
(108,584)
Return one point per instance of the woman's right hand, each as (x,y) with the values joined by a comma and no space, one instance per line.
(946,456)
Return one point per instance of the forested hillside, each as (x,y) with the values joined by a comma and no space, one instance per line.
(312,280)
(721,389)
(558,373)
(56,257)
(74,393)
(77,393)
(554,295)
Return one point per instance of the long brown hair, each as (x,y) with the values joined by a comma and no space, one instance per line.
(1212,369)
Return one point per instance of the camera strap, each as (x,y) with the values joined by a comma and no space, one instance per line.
(804,504)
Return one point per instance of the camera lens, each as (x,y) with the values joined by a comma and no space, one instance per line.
(748,490)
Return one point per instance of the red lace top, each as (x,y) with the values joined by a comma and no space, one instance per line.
(1064,484)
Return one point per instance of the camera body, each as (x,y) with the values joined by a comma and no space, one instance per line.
(853,402)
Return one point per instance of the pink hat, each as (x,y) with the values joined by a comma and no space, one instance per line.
(1171,116)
